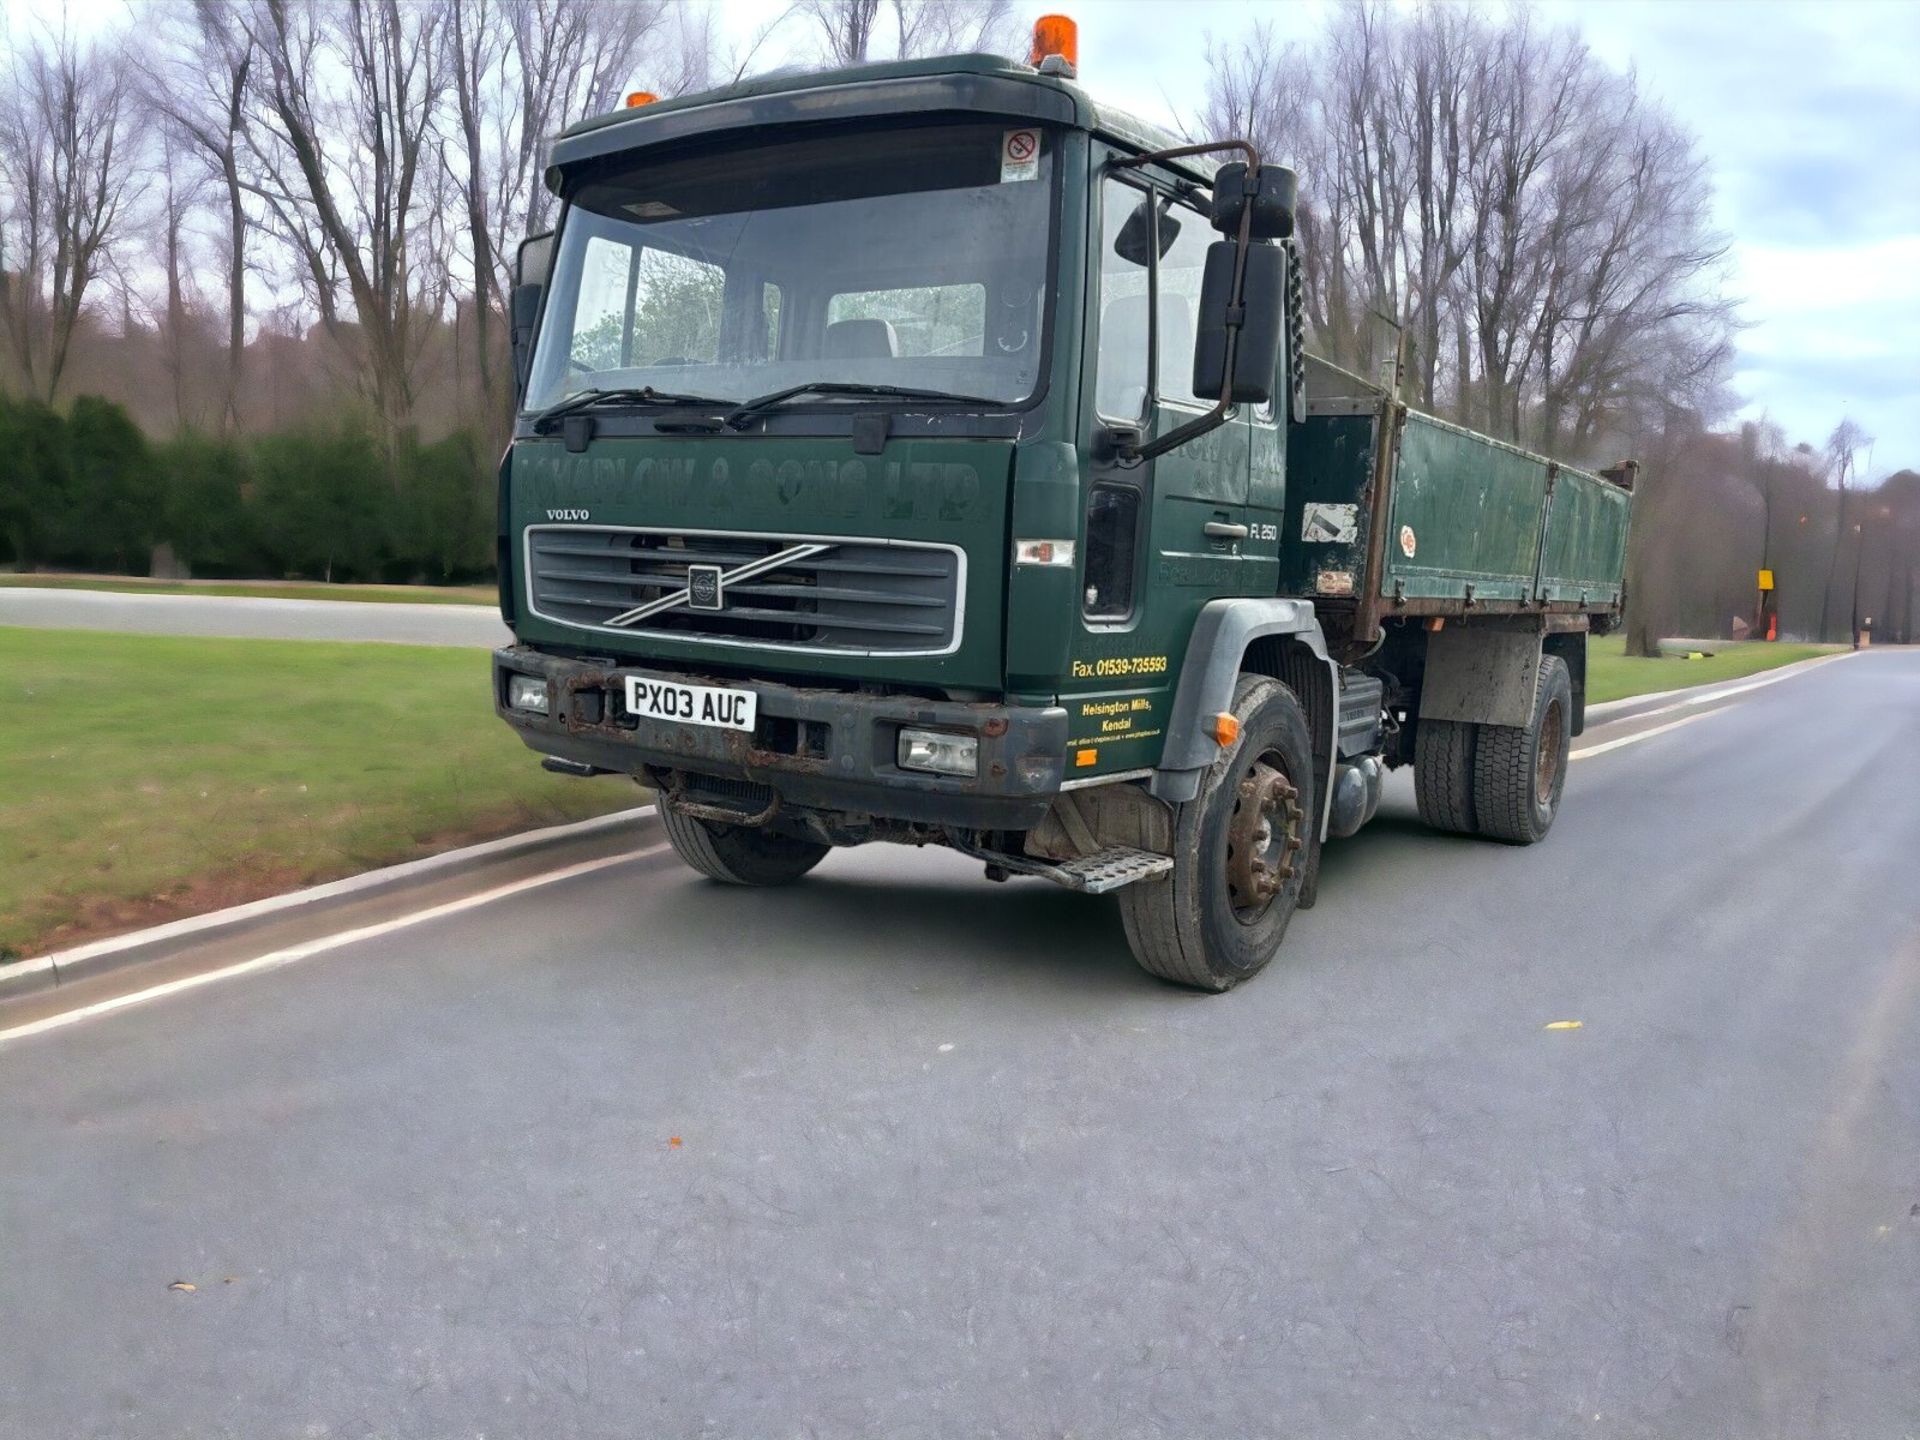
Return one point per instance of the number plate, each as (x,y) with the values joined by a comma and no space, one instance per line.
(690,704)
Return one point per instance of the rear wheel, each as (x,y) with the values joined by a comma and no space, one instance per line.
(1519,772)
(1240,852)
(1443,773)
(738,854)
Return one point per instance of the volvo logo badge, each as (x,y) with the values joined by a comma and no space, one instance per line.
(704,591)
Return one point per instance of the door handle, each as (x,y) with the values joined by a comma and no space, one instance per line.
(1222,530)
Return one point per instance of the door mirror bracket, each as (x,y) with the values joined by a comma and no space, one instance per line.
(1117,444)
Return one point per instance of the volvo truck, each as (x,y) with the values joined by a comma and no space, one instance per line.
(925,453)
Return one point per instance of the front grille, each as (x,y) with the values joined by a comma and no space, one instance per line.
(851,596)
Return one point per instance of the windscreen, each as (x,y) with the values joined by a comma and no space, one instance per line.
(908,257)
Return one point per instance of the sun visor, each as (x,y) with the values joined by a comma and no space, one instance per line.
(922,97)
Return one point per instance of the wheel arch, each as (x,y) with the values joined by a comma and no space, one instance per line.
(1281,638)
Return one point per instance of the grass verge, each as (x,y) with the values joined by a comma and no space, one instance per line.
(1614,675)
(146,777)
(266,589)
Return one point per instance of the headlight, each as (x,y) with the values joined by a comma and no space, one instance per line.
(939,751)
(527,692)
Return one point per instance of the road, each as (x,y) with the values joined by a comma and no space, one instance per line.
(248,617)
(899,1153)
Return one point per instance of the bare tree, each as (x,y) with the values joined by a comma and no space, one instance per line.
(179,195)
(1535,230)
(70,175)
(205,96)
(950,27)
(519,71)
(341,109)
(1843,447)
(846,27)
(848,31)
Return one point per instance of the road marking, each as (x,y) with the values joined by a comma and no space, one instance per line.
(275,959)
(1708,694)
(63,960)
(1605,745)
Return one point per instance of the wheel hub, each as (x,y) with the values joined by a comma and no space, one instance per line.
(1546,765)
(1263,836)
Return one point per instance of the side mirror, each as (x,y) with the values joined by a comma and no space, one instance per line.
(1134,242)
(1271,198)
(530,267)
(533,260)
(1263,294)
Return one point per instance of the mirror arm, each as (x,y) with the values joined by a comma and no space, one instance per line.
(1236,306)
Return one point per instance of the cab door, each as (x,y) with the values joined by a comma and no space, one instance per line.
(1160,538)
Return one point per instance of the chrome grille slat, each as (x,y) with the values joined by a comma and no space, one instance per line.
(843,595)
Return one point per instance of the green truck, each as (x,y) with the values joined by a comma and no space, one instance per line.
(925,453)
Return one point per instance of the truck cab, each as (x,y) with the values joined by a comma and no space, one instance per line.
(903,454)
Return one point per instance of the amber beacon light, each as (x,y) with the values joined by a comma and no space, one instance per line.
(1055,35)
(637,98)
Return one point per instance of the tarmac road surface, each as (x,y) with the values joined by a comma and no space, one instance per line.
(900,1153)
(249,617)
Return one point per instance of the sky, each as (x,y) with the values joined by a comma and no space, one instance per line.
(1809,113)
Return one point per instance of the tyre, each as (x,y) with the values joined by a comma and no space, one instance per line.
(1241,851)
(1443,774)
(737,854)
(1518,773)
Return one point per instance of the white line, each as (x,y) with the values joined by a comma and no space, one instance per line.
(1604,746)
(333,889)
(274,959)
(1706,695)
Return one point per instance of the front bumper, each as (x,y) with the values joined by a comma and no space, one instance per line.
(818,749)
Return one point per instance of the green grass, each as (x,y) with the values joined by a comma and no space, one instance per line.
(143,777)
(268,589)
(1613,675)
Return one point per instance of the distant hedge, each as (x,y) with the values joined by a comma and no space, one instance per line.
(88,491)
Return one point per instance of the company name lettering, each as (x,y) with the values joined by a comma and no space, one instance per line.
(891,491)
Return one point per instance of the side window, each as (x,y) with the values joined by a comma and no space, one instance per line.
(926,320)
(1120,373)
(1183,262)
(770,318)
(601,319)
(1113,524)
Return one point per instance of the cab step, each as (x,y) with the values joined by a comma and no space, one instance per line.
(1094,874)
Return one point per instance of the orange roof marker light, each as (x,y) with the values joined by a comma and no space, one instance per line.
(637,98)
(1056,46)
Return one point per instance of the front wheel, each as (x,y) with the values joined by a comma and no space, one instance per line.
(739,854)
(1240,855)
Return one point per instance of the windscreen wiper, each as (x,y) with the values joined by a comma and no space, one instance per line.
(740,414)
(617,395)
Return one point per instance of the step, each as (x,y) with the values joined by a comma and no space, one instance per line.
(1108,869)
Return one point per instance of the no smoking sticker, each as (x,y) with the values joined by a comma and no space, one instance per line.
(1019,155)
(1408,544)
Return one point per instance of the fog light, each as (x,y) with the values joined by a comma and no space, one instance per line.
(527,692)
(940,752)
